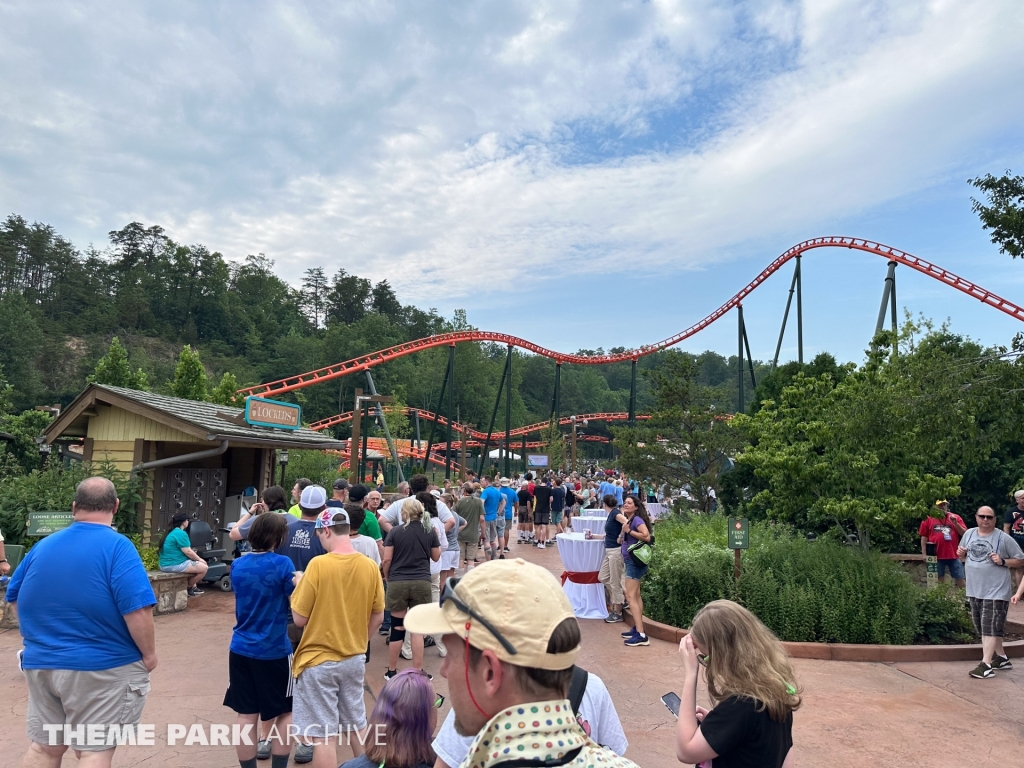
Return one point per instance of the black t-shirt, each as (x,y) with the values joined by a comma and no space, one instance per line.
(745,738)
(524,497)
(612,530)
(1015,519)
(542,494)
(411,558)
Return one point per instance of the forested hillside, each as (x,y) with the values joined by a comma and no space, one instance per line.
(60,307)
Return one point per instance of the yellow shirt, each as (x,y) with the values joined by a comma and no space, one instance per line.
(338,593)
(294,511)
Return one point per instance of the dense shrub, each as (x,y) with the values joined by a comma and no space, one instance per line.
(803,591)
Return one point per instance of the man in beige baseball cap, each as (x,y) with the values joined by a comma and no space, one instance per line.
(512,641)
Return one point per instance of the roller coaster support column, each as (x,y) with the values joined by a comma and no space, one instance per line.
(451,404)
(387,432)
(556,410)
(525,468)
(508,417)
(364,411)
(353,442)
(494,415)
(416,421)
(889,298)
(632,394)
(750,360)
(437,412)
(799,314)
(739,360)
(785,315)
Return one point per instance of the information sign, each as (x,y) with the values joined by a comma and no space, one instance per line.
(44,523)
(739,533)
(261,412)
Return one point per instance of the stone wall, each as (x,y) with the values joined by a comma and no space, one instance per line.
(171,590)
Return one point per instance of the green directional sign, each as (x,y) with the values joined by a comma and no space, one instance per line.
(739,533)
(44,523)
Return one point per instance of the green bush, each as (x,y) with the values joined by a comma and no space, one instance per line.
(803,591)
(150,555)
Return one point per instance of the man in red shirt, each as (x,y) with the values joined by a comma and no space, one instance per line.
(944,532)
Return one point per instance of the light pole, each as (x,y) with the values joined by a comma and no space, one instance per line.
(282,459)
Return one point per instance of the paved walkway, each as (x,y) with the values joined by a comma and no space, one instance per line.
(910,715)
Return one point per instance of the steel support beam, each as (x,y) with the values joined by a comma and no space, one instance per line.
(508,416)
(750,360)
(494,416)
(387,432)
(451,407)
(556,408)
(888,298)
(353,442)
(437,415)
(739,360)
(632,393)
(785,318)
(799,313)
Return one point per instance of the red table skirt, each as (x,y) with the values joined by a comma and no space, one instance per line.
(581,577)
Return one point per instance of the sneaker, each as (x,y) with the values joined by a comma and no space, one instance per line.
(389,674)
(613,618)
(303,753)
(630,632)
(983,670)
(637,640)
(406,654)
(501,556)
(540,545)
(442,649)
(263,749)
(384,631)
(194,592)
(507,549)
(1002,662)
(428,641)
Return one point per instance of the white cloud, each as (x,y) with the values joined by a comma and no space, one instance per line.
(433,144)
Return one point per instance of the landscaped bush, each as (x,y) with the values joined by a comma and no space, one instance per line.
(803,591)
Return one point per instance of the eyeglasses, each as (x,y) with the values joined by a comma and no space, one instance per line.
(439,701)
(449,594)
(986,517)
(702,659)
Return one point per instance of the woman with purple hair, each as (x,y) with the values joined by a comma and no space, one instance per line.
(401,726)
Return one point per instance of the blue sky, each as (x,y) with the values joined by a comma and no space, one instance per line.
(581,174)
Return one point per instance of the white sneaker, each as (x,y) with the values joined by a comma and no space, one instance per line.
(441,649)
(541,545)
(407,654)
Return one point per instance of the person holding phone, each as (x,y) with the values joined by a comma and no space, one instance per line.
(751,683)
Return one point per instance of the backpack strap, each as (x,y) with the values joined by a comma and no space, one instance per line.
(577,687)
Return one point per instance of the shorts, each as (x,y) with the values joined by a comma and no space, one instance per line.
(403,595)
(542,518)
(104,697)
(954,566)
(491,529)
(556,516)
(259,685)
(988,616)
(330,695)
(469,550)
(524,514)
(449,560)
(634,571)
(179,568)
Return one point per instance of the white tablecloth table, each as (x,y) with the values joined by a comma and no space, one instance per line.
(584,557)
(589,523)
(657,511)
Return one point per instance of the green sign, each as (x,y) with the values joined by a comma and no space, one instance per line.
(739,533)
(43,523)
(931,566)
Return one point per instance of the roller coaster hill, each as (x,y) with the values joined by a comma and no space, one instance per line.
(457,438)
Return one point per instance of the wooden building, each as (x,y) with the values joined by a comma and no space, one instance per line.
(192,456)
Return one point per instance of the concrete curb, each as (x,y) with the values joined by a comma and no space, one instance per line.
(854,652)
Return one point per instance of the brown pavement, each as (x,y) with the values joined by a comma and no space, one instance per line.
(927,715)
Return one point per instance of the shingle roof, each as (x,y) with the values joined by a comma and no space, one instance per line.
(219,421)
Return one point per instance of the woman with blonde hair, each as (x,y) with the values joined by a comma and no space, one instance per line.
(408,551)
(751,683)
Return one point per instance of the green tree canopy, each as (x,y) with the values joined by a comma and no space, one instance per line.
(113,369)
(1004,214)
(190,380)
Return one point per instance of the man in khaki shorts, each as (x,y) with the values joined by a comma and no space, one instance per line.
(85,608)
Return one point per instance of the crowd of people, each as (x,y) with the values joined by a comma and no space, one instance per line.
(427,565)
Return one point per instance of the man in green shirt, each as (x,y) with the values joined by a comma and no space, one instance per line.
(358,494)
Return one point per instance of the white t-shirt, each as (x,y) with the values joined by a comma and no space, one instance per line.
(435,567)
(393,514)
(596,709)
(367,545)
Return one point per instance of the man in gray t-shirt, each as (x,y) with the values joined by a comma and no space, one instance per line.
(989,554)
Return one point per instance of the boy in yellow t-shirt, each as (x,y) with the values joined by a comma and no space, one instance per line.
(340,603)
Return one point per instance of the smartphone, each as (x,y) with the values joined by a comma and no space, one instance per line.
(671,701)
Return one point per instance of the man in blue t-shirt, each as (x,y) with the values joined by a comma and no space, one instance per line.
(301,543)
(494,506)
(511,505)
(85,607)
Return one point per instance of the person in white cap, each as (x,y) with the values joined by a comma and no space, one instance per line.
(340,603)
(510,666)
(511,511)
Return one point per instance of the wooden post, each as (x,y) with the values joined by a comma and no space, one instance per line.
(736,564)
(353,451)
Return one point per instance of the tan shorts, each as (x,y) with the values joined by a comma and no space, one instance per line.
(104,698)
(469,550)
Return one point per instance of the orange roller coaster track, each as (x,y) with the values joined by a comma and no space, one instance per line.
(341,418)
(889,253)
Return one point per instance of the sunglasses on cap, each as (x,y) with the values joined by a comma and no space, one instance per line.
(448,594)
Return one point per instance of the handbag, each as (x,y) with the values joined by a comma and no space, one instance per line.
(642,551)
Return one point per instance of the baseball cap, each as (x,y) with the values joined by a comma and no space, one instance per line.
(340,484)
(435,493)
(940,502)
(313,497)
(523,601)
(332,516)
(504,481)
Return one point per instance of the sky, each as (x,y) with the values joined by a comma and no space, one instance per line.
(580,174)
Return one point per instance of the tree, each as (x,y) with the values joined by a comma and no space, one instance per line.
(190,380)
(346,302)
(384,302)
(686,444)
(396,417)
(113,369)
(226,392)
(1004,214)
(314,295)
(554,444)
